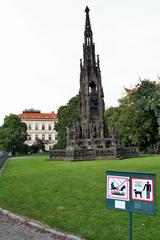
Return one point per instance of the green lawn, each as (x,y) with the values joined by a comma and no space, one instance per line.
(70,196)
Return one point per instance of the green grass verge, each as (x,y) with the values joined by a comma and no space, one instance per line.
(70,196)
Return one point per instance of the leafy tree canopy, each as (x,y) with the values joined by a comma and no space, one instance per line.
(138,117)
(13,133)
(67,116)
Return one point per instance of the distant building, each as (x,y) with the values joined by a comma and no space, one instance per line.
(131,90)
(40,126)
(134,89)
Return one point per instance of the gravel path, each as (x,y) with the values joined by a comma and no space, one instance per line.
(14,229)
(11,229)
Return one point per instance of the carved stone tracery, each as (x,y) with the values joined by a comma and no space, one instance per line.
(91,125)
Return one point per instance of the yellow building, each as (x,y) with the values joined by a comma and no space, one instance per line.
(40,126)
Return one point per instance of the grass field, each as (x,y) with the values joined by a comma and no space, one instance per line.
(70,196)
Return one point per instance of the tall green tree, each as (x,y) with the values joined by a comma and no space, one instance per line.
(138,117)
(41,145)
(148,102)
(13,134)
(67,116)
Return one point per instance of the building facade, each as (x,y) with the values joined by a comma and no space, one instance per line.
(40,126)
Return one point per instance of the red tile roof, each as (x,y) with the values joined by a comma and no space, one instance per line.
(32,115)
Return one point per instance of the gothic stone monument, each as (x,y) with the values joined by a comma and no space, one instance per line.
(89,139)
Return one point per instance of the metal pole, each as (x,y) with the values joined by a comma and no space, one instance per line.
(129,225)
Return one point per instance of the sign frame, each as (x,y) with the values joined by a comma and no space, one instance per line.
(144,191)
(133,205)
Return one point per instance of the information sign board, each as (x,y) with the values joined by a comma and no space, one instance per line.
(131,191)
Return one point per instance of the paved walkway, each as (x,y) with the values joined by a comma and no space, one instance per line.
(12,228)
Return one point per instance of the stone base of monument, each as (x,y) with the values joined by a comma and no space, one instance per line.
(94,154)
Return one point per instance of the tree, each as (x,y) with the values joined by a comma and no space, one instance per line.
(148,102)
(34,148)
(25,149)
(40,144)
(112,118)
(67,116)
(13,133)
(138,117)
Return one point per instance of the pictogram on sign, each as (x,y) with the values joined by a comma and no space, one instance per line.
(118,187)
(142,189)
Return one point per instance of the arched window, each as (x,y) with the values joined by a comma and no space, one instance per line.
(93,98)
(92,88)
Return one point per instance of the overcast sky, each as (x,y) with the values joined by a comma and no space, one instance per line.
(41,44)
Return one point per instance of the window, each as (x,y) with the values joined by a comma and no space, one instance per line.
(43,137)
(92,88)
(36,127)
(29,126)
(36,137)
(50,137)
(43,127)
(49,127)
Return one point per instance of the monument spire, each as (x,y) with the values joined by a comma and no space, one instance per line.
(88,46)
(91,90)
(88,24)
(88,31)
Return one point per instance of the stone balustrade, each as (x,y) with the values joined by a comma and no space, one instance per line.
(94,153)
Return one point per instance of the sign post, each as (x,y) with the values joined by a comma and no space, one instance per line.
(130,225)
(132,192)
